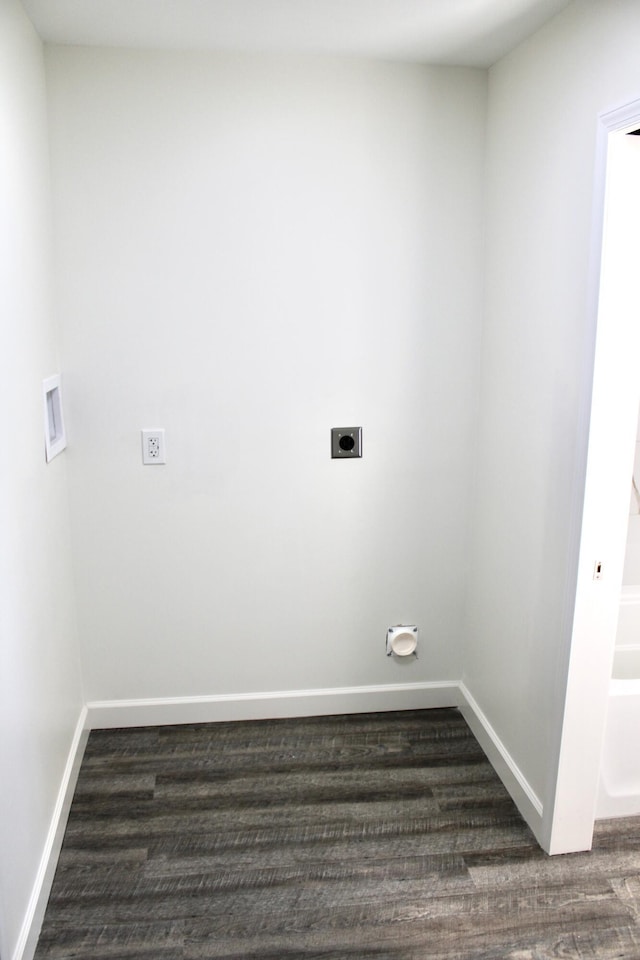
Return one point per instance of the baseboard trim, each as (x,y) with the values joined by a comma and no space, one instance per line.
(30,931)
(106,714)
(523,795)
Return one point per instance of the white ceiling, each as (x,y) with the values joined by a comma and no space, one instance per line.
(459,32)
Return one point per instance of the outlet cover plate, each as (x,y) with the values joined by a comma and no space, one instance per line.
(346,443)
(153,448)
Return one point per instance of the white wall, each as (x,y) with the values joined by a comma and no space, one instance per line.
(40,693)
(250,252)
(544,101)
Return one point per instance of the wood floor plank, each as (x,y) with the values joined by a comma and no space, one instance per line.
(367,837)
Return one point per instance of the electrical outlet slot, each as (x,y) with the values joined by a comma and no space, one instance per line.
(153,447)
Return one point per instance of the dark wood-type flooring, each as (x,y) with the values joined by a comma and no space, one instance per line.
(367,837)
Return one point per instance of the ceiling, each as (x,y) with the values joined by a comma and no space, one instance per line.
(472,33)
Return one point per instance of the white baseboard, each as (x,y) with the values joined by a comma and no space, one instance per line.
(523,795)
(107,714)
(30,931)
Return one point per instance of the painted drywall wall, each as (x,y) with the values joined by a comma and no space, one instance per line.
(544,101)
(40,692)
(250,251)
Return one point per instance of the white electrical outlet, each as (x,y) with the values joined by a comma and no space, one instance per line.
(153,446)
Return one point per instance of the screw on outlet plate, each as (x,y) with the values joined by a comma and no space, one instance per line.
(153,451)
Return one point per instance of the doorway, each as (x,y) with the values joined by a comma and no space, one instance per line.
(612,427)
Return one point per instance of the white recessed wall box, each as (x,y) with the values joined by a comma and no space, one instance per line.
(55,437)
